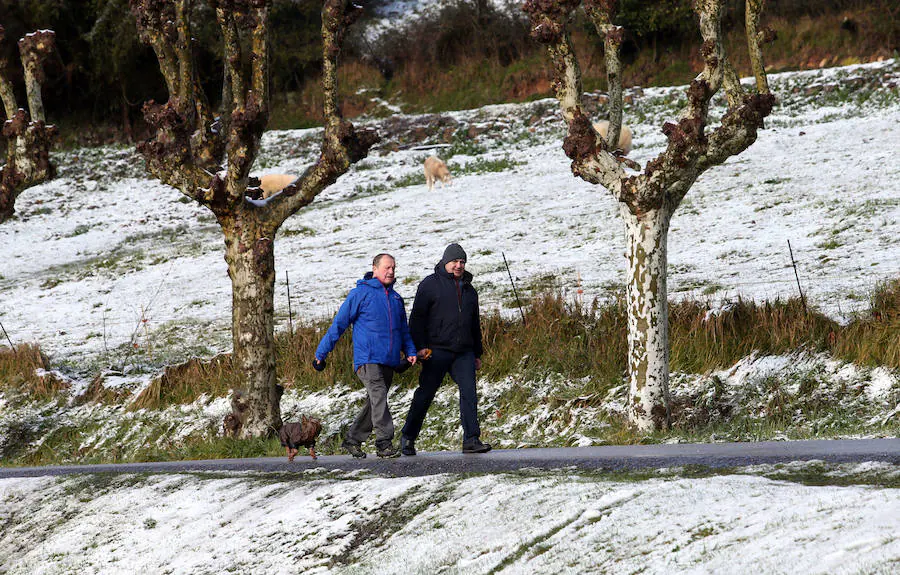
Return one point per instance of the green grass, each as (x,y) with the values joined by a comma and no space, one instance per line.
(484,166)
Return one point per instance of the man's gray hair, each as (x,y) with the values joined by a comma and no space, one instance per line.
(377,259)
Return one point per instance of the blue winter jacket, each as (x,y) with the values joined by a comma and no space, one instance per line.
(380,331)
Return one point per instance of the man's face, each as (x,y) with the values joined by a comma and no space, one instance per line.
(455,268)
(384,271)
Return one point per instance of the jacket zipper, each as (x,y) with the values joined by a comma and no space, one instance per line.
(387,298)
(458,308)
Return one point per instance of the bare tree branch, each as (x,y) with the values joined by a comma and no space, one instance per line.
(232,58)
(601,13)
(7,93)
(343,144)
(590,157)
(184,49)
(156,27)
(29,138)
(755,39)
(34,48)
(648,200)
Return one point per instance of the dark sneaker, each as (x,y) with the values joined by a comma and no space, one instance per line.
(388,451)
(407,446)
(354,449)
(475,446)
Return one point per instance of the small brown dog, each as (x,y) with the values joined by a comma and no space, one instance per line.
(436,169)
(294,435)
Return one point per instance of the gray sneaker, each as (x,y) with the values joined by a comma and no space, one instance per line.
(354,449)
(388,451)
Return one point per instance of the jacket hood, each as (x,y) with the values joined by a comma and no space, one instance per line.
(370,280)
(441,272)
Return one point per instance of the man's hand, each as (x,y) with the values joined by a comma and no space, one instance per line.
(318,364)
(424,353)
(477,363)
(411,359)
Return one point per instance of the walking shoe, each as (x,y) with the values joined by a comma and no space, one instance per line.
(475,446)
(407,446)
(354,449)
(388,451)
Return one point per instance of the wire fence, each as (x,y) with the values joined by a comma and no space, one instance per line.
(144,319)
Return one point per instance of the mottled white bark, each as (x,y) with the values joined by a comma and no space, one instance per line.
(648,317)
(251,266)
(647,200)
(190,146)
(28,136)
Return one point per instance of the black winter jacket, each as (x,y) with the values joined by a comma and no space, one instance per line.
(445,314)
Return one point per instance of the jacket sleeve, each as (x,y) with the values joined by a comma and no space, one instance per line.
(478,346)
(408,343)
(345,316)
(418,318)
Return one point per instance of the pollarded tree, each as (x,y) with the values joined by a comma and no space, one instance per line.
(647,200)
(190,145)
(28,136)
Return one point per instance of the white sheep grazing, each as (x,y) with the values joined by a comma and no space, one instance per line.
(271,184)
(602,128)
(435,168)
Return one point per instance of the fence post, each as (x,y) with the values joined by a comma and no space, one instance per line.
(290,313)
(515,291)
(11,346)
(797,277)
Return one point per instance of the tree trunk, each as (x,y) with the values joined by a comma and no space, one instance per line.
(648,317)
(249,252)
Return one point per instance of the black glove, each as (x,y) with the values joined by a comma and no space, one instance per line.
(318,364)
(403,366)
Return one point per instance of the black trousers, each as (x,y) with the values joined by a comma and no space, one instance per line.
(461,367)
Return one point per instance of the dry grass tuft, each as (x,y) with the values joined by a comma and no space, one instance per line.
(703,340)
(582,342)
(96,392)
(19,372)
(185,382)
(874,339)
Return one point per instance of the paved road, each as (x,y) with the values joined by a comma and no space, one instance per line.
(607,458)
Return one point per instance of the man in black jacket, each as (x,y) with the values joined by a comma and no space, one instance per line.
(445,320)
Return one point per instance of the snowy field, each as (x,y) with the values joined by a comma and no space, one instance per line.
(550,522)
(102,248)
(104,266)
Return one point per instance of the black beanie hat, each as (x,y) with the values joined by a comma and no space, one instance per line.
(453,252)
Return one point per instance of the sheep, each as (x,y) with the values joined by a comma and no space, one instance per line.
(435,168)
(271,184)
(602,128)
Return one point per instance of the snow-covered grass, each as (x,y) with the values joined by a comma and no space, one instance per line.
(771,397)
(102,248)
(109,270)
(529,522)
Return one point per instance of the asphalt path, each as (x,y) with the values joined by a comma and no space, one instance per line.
(610,458)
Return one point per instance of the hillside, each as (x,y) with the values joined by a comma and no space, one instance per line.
(113,275)
(102,247)
(763,520)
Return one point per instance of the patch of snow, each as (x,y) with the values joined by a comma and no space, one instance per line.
(558,522)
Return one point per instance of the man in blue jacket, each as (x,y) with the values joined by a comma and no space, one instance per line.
(381,343)
(446,321)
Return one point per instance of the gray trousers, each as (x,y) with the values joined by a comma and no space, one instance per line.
(375,413)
